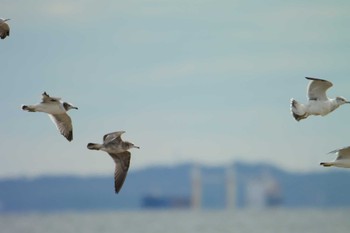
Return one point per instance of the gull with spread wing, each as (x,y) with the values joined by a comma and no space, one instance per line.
(319,103)
(57,111)
(343,159)
(118,150)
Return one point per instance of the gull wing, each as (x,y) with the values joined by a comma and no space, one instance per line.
(63,124)
(122,163)
(113,136)
(343,153)
(46,98)
(317,88)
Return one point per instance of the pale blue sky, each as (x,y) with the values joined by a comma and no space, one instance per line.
(190,81)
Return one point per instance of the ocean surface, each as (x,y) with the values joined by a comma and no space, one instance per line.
(180,221)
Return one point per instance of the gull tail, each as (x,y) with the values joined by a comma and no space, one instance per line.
(325,164)
(297,110)
(94,146)
(28,108)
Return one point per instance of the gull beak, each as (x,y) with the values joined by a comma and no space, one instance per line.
(347,102)
(137,147)
(74,107)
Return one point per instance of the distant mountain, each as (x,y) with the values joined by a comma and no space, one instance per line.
(61,193)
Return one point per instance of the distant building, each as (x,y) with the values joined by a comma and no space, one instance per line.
(196,183)
(263,191)
(230,188)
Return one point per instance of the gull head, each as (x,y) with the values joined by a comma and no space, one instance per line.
(341,100)
(129,145)
(68,106)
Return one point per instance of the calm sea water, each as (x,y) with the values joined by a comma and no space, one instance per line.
(239,221)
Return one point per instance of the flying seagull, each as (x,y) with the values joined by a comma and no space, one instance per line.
(118,150)
(343,159)
(4,28)
(57,111)
(319,103)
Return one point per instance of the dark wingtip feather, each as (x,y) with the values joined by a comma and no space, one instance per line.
(69,136)
(316,79)
(117,186)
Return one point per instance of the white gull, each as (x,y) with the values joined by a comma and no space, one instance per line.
(118,150)
(319,103)
(343,159)
(57,111)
